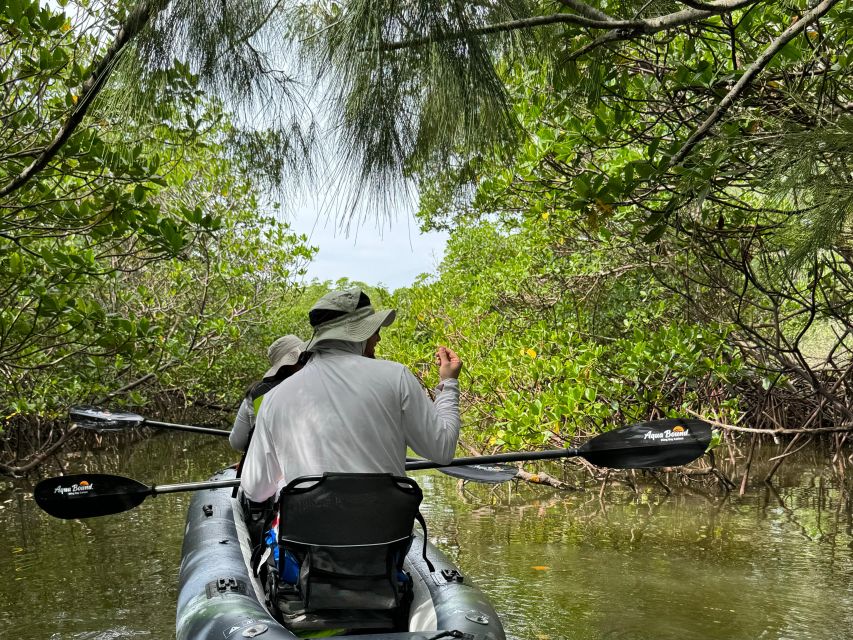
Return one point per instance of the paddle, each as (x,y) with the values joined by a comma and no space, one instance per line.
(645,445)
(485,473)
(87,495)
(659,443)
(97,419)
(484,470)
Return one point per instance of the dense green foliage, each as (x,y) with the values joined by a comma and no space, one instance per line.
(143,256)
(609,267)
(649,202)
(558,342)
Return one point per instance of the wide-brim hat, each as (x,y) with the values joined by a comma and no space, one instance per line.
(346,315)
(284,351)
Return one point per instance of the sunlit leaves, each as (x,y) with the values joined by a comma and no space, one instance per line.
(560,335)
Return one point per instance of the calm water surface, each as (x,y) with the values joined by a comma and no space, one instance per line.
(772,565)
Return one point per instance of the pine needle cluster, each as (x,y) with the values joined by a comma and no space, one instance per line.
(389,84)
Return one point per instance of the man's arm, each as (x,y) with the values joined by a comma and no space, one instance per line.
(432,429)
(239,438)
(261,470)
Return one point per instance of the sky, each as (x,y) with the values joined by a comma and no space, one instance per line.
(374,254)
(392,255)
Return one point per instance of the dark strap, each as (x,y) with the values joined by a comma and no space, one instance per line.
(255,560)
(259,549)
(420,518)
(263,387)
(242,462)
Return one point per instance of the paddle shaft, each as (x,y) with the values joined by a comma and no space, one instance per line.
(516,456)
(185,427)
(193,486)
(410,466)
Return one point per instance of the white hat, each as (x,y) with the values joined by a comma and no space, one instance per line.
(346,315)
(284,351)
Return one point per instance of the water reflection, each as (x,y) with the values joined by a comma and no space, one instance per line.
(774,564)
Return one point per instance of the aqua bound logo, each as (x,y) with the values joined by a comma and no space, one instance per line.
(670,435)
(83,486)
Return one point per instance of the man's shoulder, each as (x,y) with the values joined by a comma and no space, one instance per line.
(388,367)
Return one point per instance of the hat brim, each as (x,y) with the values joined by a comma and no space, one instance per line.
(353,331)
(289,358)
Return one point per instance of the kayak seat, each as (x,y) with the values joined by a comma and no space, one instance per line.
(350,533)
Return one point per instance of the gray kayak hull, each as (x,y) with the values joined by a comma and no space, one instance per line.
(219,599)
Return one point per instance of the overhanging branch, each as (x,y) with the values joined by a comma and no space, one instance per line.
(136,20)
(749,75)
(586,17)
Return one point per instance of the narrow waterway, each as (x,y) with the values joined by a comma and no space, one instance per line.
(776,564)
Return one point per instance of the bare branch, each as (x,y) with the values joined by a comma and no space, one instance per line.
(770,432)
(621,29)
(37,459)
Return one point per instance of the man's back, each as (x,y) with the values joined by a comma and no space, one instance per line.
(347,413)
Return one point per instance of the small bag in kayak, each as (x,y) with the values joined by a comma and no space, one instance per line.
(286,565)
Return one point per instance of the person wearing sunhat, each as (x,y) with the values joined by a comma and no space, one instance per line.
(347,411)
(284,356)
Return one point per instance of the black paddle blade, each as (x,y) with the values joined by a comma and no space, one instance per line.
(646,445)
(486,473)
(87,495)
(97,419)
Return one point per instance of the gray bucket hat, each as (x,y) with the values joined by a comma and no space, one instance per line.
(284,351)
(346,315)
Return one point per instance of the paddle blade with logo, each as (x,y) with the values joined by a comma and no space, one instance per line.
(88,495)
(647,445)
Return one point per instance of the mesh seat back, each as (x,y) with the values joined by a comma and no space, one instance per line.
(348,509)
(351,533)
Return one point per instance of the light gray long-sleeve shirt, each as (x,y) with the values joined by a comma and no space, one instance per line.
(243,425)
(347,413)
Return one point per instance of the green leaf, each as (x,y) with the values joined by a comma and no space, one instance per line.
(655,233)
(716,440)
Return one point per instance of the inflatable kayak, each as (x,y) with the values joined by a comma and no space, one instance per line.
(220,597)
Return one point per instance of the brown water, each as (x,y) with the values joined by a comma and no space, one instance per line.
(771,565)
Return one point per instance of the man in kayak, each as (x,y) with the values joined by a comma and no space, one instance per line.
(347,411)
(283,355)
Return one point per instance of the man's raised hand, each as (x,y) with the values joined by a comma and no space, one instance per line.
(449,364)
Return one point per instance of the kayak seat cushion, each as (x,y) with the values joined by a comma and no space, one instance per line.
(350,533)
